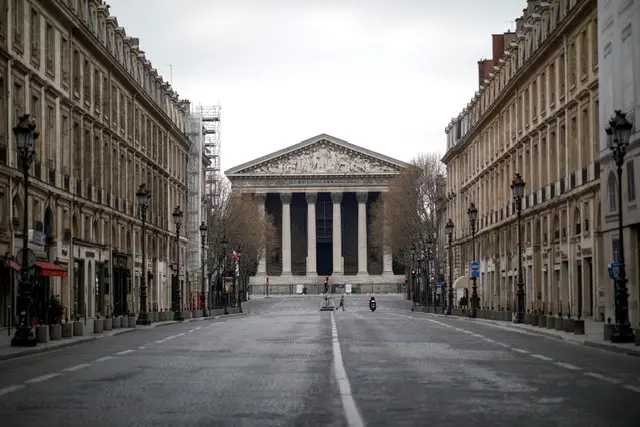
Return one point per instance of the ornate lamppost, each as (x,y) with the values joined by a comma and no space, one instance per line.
(26,136)
(177,302)
(203,297)
(448,229)
(223,244)
(427,260)
(517,187)
(473,217)
(143,195)
(618,133)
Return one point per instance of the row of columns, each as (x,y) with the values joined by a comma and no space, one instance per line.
(312,197)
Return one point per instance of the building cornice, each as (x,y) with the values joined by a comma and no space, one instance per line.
(530,66)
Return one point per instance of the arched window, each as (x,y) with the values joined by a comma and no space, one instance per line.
(611,189)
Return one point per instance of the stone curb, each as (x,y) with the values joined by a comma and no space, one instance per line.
(63,344)
(80,340)
(543,333)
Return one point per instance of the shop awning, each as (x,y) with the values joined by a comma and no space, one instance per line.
(50,269)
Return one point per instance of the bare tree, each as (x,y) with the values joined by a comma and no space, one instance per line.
(236,218)
(406,214)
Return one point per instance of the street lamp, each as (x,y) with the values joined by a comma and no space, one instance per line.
(203,236)
(427,259)
(223,244)
(239,278)
(143,195)
(517,186)
(26,136)
(618,133)
(473,217)
(448,229)
(177,302)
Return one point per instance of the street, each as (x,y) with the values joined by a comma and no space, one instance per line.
(286,364)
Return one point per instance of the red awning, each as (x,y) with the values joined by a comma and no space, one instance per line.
(50,269)
(14,265)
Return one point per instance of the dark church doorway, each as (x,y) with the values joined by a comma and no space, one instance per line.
(324,232)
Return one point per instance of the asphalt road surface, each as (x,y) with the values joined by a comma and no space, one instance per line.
(288,364)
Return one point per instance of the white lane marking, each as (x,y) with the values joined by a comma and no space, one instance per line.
(41,378)
(142,347)
(11,388)
(541,357)
(199,327)
(181,334)
(477,335)
(603,378)
(628,387)
(102,359)
(120,353)
(519,350)
(160,341)
(191,330)
(77,367)
(551,400)
(503,345)
(489,340)
(352,415)
(568,366)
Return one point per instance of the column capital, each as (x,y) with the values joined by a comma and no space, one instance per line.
(336,197)
(285,198)
(362,196)
(311,197)
(261,198)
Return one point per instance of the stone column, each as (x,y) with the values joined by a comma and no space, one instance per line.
(261,199)
(286,233)
(311,233)
(387,254)
(362,232)
(336,198)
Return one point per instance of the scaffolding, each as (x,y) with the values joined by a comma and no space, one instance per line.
(203,187)
(211,133)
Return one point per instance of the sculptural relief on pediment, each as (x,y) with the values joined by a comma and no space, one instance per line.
(323,158)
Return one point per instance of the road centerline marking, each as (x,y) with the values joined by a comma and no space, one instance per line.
(351,412)
(41,378)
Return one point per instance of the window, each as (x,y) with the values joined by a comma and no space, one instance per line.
(50,49)
(611,189)
(86,78)
(64,151)
(631,182)
(615,249)
(50,147)
(64,60)
(77,148)
(35,36)
(96,90)
(76,73)
(18,24)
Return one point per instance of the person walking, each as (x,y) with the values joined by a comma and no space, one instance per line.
(342,302)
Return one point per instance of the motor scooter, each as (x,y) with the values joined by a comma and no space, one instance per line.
(372,305)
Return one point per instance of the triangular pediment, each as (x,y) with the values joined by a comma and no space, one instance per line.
(321,155)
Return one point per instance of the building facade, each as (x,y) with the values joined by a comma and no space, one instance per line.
(619,55)
(537,114)
(308,189)
(108,123)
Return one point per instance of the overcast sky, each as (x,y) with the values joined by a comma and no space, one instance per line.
(387,75)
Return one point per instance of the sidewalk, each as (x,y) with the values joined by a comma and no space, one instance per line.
(8,352)
(593,334)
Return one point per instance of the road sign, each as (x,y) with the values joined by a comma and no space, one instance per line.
(475,266)
(475,274)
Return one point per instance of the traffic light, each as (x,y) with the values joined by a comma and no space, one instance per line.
(413,274)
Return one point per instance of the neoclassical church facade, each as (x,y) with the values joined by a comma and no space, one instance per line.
(320,193)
